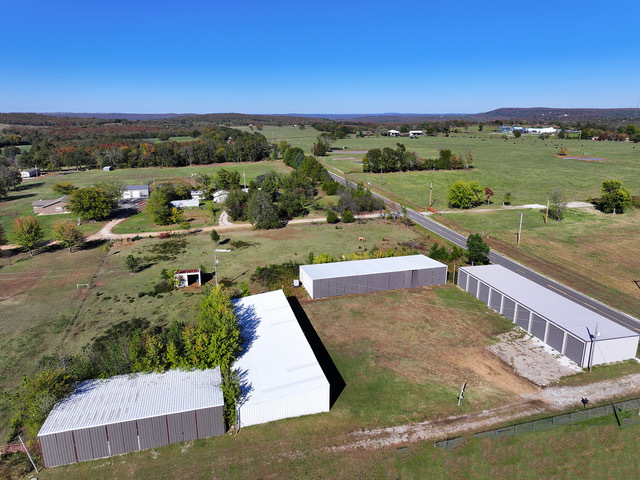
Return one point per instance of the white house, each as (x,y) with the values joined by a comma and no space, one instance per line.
(135,191)
(197,194)
(220,196)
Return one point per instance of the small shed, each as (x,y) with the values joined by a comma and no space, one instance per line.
(561,323)
(416,133)
(135,191)
(134,412)
(188,277)
(30,173)
(393,133)
(373,275)
(220,196)
(106,169)
(280,375)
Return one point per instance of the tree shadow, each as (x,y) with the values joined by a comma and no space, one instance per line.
(18,197)
(329,368)
(249,322)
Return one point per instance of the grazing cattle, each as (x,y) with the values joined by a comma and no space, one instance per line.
(362,239)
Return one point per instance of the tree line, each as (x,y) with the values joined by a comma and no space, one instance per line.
(401,160)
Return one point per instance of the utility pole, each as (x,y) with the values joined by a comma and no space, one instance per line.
(216,267)
(430,192)
(28,454)
(546,216)
(520,229)
(593,336)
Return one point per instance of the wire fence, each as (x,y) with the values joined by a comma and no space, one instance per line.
(552,422)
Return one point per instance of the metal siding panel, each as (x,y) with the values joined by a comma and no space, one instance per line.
(66,453)
(495,300)
(210,422)
(189,426)
(522,317)
(555,337)
(174,423)
(48,450)
(415,278)
(352,284)
(396,280)
(84,449)
(473,286)
(483,293)
(574,349)
(509,308)
(116,439)
(406,279)
(130,436)
(153,432)
(99,442)
(462,279)
(440,276)
(538,326)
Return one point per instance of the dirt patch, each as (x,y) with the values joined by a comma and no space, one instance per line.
(533,359)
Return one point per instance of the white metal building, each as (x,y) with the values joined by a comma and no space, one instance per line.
(190,203)
(280,375)
(133,412)
(372,275)
(135,191)
(563,324)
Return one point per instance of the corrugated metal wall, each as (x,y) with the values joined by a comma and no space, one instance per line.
(306,403)
(378,282)
(115,439)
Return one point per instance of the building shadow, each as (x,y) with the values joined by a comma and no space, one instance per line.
(329,368)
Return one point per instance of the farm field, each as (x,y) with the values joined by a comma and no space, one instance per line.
(594,253)
(19,201)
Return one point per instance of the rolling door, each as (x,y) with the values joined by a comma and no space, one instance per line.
(574,349)
(495,300)
(483,293)
(473,286)
(462,279)
(538,326)
(555,337)
(509,308)
(522,317)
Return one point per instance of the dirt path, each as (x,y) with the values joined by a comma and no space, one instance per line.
(548,400)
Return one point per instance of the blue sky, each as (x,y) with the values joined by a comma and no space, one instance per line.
(317,57)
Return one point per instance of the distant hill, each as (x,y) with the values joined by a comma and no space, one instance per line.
(119,116)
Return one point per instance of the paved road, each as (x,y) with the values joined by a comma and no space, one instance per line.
(496,258)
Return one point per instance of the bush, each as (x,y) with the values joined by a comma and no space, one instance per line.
(133,263)
(347,217)
(215,236)
(332,217)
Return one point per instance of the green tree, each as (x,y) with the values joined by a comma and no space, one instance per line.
(615,198)
(63,188)
(133,263)
(236,204)
(347,217)
(177,215)
(332,217)
(262,212)
(10,176)
(557,204)
(92,203)
(159,206)
(477,250)
(67,234)
(517,133)
(465,195)
(216,338)
(291,205)
(27,231)
(215,236)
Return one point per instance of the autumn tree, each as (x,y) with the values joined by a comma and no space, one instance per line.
(67,234)
(27,231)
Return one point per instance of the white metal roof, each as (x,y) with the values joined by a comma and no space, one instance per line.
(133,397)
(136,187)
(277,360)
(369,266)
(565,313)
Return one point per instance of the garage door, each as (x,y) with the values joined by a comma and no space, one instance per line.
(555,337)
(483,294)
(538,326)
(574,349)
(462,279)
(508,308)
(472,288)
(495,300)
(522,317)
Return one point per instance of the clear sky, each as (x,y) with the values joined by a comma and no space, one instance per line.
(326,56)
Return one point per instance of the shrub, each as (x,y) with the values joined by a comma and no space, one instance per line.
(133,263)
(347,216)
(332,217)
(215,236)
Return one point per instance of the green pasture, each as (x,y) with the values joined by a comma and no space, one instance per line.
(197,217)
(296,137)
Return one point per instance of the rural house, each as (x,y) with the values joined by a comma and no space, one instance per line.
(32,172)
(50,207)
(135,191)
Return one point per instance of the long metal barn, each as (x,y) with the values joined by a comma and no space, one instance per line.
(372,275)
(582,335)
(134,412)
(280,376)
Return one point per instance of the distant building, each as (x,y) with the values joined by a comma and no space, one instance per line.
(50,207)
(220,196)
(393,133)
(106,169)
(416,133)
(32,172)
(135,191)
(185,203)
(197,194)
(505,129)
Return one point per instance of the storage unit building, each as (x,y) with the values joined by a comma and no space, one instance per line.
(132,412)
(135,191)
(563,324)
(373,275)
(280,376)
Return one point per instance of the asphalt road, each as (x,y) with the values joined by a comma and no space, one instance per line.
(495,258)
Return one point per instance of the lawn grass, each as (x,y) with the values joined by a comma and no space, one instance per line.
(197,217)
